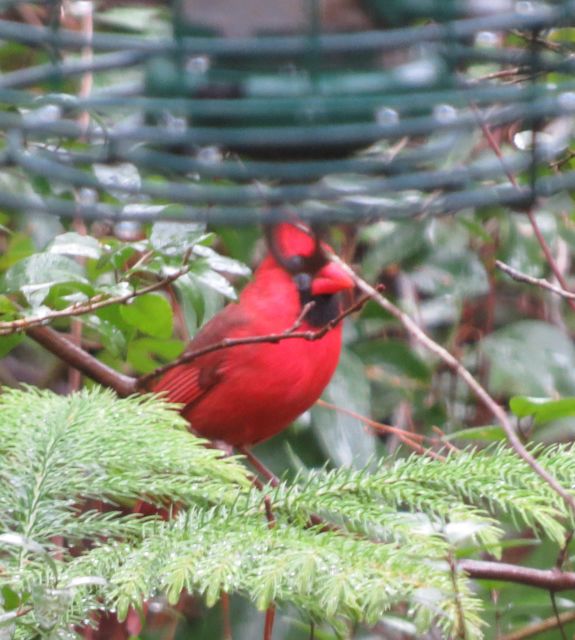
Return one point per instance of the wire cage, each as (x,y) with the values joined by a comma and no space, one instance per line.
(239,113)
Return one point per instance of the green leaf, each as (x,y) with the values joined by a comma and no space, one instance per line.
(151,314)
(215,281)
(75,244)
(459,274)
(7,343)
(397,358)
(530,358)
(175,238)
(488,433)
(141,353)
(346,440)
(7,307)
(9,599)
(113,330)
(542,409)
(392,242)
(222,263)
(20,246)
(34,275)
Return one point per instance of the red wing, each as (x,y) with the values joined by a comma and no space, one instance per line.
(187,383)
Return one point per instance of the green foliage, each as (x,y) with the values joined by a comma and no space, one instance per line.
(397,529)
(402,522)
(74,269)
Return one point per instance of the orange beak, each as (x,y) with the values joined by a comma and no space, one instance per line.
(330,279)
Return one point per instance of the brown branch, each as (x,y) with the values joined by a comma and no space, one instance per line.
(480,392)
(272,338)
(538,282)
(540,627)
(549,579)
(412,440)
(95,303)
(549,257)
(75,356)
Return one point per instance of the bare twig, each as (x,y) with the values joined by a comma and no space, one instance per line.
(496,410)
(538,282)
(564,551)
(272,338)
(269,623)
(549,257)
(412,440)
(540,627)
(530,214)
(226,615)
(91,305)
(556,613)
(259,466)
(548,579)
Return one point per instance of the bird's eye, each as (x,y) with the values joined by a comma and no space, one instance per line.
(303,282)
(295,264)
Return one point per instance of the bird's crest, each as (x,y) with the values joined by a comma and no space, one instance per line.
(296,247)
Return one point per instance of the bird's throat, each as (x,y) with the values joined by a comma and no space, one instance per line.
(325,308)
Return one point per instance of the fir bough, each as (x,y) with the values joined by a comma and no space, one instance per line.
(74,467)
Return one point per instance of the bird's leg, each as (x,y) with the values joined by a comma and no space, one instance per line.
(259,466)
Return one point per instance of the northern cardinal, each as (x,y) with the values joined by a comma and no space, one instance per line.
(245,394)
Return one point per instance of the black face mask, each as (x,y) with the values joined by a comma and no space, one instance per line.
(325,308)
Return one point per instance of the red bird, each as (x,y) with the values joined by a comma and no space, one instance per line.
(245,394)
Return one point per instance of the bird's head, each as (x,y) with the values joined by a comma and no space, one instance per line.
(306,259)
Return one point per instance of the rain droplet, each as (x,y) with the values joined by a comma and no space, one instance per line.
(210,155)
(386,116)
(486,39)
(198,64)
(444,113)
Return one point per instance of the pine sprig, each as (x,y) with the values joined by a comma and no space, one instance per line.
(397,527)
(327,575)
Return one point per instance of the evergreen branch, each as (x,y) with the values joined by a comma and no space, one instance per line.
(397,526)
(57,451)
(460,494)
(329,576)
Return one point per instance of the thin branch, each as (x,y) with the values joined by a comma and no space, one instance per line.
(549,579)
(272,338)
(556,613)
(549,257)
(536,230)
(538,282)
(259,466)
(454,364)
(91,305)
(226,616)
(540,627)
(412,440)
(269,622)
(73,355)
(564,551)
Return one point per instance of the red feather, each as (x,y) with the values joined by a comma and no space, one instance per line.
(248,393)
